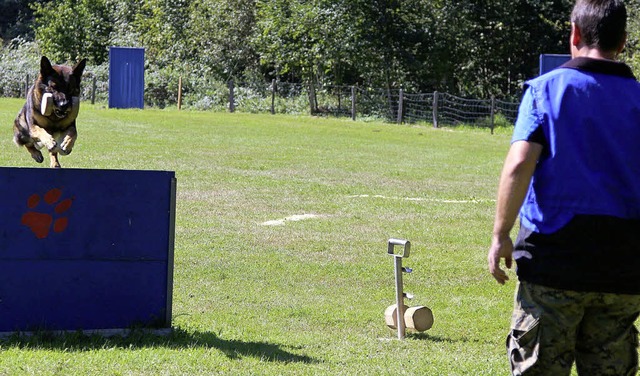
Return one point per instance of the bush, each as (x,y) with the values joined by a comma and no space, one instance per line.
(499,121)
(101,75)
(18,59)
(21,58)
(201,92)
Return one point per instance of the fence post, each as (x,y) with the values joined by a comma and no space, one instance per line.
(353,103)
(179,93)
(26,86)
(435,109)
(273,96)
(493,111)
(94,87)
(400,106)
(313,102)
(232,104)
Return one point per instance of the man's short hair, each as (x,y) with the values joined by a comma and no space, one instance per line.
(602,23)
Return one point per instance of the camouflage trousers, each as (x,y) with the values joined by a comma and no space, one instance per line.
(551,328)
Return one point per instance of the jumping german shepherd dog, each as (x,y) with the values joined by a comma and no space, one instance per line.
(49,117)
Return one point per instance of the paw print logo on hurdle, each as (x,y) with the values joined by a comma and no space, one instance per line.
(50,215)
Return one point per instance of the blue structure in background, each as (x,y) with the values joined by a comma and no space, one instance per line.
(126,77)
(86,249)
(549,62)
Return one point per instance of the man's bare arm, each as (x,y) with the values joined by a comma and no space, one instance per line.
(514,183)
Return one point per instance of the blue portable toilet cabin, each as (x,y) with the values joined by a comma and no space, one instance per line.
(126,77)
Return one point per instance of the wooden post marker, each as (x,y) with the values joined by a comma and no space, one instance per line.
(400,316)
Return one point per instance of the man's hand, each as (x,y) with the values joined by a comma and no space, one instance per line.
(514,182)
(501,247)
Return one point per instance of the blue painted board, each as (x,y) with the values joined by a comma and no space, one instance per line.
(81,295)
(549,62)
(85,249)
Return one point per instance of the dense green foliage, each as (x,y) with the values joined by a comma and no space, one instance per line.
(469,48)
(632,51)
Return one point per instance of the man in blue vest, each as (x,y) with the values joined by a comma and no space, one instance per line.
(572,174)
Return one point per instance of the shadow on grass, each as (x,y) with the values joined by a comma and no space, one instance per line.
(137,339)
(429,337)
(440,339)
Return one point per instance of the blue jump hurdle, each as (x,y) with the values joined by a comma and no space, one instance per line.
(84,249)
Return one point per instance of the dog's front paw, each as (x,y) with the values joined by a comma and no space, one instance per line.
(66,147)
(51,144)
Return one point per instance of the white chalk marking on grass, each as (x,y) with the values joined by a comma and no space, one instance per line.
(423,199)
(293,218)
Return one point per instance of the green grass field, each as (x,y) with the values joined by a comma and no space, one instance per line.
(300,297)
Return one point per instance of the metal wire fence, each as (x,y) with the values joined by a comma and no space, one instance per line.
(439,109)
(391,105)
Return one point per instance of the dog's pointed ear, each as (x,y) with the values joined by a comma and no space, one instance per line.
(45,67)
(79,68)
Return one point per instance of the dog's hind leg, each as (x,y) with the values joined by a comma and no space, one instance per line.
(54,160)
(27,142)
(21,137)
(35,153)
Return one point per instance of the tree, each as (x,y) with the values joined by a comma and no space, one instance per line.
(161,26)
(377,42)
(631,53)
(68,30)
(219,35)
(395,45)
(499,42)
(467,47)
(16,19)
